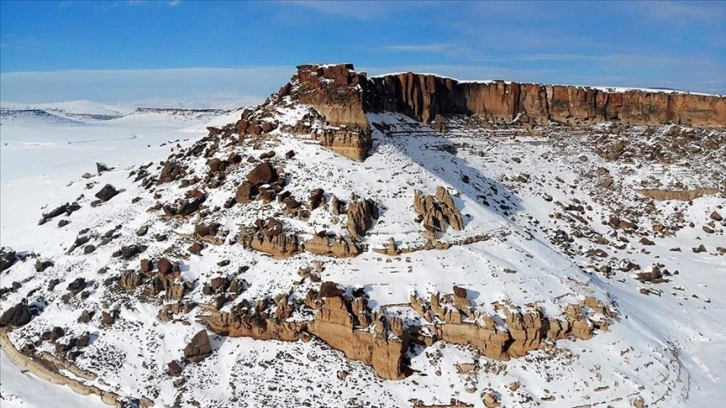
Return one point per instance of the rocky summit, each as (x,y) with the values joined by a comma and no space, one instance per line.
(399,240)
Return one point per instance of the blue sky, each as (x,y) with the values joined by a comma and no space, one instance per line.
(114,51)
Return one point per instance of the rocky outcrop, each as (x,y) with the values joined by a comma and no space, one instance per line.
(267,236)
(361,214)
(345,323)
(337,93)
(456,321)
(338,247)
(381,341)
(678,195)
(423,96)
(437,212)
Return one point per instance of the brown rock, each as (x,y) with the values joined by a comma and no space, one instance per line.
(244,192)
(361,214)
(264,173)
(198,348)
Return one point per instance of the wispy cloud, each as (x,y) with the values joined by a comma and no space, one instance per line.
(685,12)
(360,10)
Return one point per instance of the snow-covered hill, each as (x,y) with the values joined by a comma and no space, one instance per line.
(551,217)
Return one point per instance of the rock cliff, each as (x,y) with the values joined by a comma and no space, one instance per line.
(424,96)
(342,97)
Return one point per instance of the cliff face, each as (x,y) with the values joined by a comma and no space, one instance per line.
(425,96)
(342,97)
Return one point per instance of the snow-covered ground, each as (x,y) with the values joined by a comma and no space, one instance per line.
(667,349)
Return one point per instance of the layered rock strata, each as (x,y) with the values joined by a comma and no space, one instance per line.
(423,96)
(381,341)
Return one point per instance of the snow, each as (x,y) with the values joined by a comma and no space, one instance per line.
(667,350)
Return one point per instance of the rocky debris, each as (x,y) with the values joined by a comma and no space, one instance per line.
(652,275)
(8,257)
(699,249)
(198,348)
(106,193)
(130,280)
(18,315)
(109,318)
(171,171)
(66,209)
(186,206)
(715,216)
(267,236)
(361,214)
(437,212)
(129,251)
(101,167)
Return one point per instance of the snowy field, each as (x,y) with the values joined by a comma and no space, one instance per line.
(667,350)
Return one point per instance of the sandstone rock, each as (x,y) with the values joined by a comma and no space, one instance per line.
(106,193)
(437,212)
(715,216)
(361,214)
(339,247)
(267,236)
(198,348)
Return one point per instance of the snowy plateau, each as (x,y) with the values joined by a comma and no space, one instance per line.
(306,252)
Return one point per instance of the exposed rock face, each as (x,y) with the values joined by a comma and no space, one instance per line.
(424,96)
(337,93)
(361,214)
(347,324)
(456,321)
(344,323)
(437,211)
(339,247)
(267,236)
(682,195)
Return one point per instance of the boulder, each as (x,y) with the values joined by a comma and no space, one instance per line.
(198,348)
(106,193)
(18,315)
(263,173)
(7,258)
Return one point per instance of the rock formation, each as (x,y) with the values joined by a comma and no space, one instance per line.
(422,97)
(437,211)
(267,236)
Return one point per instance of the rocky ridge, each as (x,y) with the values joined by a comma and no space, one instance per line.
(243,201)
